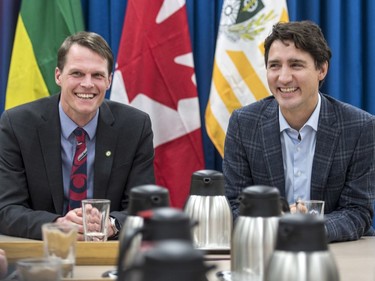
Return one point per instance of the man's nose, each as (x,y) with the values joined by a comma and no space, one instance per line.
(285,75)
(87,81)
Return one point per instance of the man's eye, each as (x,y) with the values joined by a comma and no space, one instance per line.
(297,65)
(98,75)
(76,74)
(273,65)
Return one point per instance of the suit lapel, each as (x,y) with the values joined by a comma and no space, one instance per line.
(326,142)
(270,138)
(49,136)
(106,137)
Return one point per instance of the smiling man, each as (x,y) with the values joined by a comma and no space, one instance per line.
(56,151)
(307,144)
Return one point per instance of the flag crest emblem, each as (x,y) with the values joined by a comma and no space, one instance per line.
(239,74)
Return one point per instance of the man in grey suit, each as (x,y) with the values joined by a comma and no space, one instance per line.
(307,144)
(37,145)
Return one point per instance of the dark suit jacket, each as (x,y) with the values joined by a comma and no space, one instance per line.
(31,184)
(343,172)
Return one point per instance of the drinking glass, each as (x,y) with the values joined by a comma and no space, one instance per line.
(95,219)
(59,241)
(313,207)
(39,269)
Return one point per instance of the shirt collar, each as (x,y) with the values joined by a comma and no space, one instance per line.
(68,125)
(312,122)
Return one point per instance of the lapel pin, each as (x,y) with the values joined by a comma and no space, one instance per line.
(108,153)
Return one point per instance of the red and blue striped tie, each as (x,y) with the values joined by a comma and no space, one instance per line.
(78,175)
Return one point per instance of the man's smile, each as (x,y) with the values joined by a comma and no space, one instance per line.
(85,96)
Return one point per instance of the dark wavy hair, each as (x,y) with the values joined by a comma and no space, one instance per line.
(90,40)
(306,35)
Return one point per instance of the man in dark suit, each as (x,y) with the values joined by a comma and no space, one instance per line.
(37,145)
(308,145)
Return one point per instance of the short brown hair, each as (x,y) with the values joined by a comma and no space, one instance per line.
(90,40)
(305,35)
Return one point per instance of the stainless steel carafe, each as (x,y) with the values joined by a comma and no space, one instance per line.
(208,205)
(158,224)
(254,233)
(141,198)
(301,252)
(171,260)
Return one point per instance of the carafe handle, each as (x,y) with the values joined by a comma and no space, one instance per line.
(125,245)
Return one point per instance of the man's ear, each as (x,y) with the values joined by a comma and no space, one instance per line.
(57,76)
(323,71)
(110,80)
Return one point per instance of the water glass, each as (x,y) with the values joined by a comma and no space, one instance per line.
(95,219)
(59,241)
(39,269)
(312,207)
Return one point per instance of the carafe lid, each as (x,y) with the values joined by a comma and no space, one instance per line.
(207,183)
(166,223)
(301,232)
(174,260)
(145,197)
(260,201)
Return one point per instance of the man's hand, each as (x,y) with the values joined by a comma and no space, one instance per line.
(3,264)
(298,207)
(75,217)
(110,229)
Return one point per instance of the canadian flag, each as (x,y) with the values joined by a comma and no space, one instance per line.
(155,73)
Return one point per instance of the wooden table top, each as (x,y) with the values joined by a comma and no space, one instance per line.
(87,253)
(355,260)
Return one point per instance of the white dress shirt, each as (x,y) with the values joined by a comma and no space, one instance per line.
(298,148)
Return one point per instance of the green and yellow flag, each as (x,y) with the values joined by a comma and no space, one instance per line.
(41,28)
(239,73)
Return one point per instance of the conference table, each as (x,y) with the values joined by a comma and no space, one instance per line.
(355,259)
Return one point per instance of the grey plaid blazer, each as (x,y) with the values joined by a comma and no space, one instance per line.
(343,167)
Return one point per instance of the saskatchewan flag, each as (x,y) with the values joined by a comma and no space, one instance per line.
(239,73)
(41,28)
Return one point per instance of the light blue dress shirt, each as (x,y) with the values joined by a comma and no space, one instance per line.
(298,148)
(68,147)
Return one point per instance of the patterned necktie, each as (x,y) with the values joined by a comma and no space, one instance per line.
(78,175)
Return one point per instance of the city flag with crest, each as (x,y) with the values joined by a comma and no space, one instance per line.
(239,73)
(155,73)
